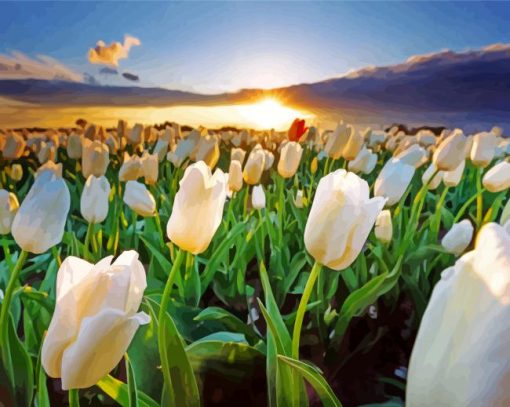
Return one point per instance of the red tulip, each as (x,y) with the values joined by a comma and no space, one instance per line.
(296,130)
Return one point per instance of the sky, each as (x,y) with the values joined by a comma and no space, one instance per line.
(212,47)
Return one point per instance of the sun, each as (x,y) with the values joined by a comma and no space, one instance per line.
(269,113)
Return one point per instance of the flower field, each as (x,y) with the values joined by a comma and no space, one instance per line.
(158,265)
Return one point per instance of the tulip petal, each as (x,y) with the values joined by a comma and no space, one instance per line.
(101,342)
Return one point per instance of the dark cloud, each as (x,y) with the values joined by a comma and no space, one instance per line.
(131,77)
(90,79)
(108,71)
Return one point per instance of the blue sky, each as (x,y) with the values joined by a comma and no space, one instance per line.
(213,46)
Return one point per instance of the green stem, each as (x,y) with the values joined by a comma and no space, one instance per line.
(436,222)
(296,333)
(461,211)
(86,245)
(134,239)
(6,303)
(74,398)
(7,252)
(162,310)
(479,198)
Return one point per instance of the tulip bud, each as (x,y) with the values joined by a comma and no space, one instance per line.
(161,149)
(113,144)
(14,146)
(258,197)
(393,180)
(87,338)
(415,155)
(254,166)
(450,152)
(314,165)
(353,146)
(94,199)
(136,135)
(208,151)
(16,172)
(149,166)
(497,179)
(377,138)
(41,218)
(432,177)
(237,154)
(464,329)
(131,168)
(340,219)
(139,199)
(365,162)
(289,159)
(74,146)
(299,201)
(8,207)
(483,149)
(453,178)
(458,237)
(269,160)
(95,158)
(426,138)
(337,140)
(235,176)
(46,153)
(192,226)
(183,150)
(384,226)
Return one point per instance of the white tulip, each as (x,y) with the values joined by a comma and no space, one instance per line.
(95,318)
(458,237)
(9,206)
(393,180)
(290,158)
(340,219)
(94,199)
(235,176)
(258,197)
(198,208)
(497,179)
(139,199)
(384,226)
(453,178)
(41,218)
(432,177)
(461,354)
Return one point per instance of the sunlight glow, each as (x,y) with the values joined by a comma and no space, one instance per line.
(268,114)
(265,114)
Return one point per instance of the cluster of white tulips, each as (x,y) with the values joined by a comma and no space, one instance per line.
(294,248)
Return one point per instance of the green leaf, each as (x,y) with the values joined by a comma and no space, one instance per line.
(16,367)
(232,360)
(360,299)
(175,361)
(119,392)
(42,397)
(315,378)
(220,254)
(131,381)
(230,321)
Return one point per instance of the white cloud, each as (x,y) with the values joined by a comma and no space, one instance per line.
(111,54)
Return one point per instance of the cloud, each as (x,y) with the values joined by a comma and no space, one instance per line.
(131,77)
(108,71)
(20,66)
(90,79)
(111,54)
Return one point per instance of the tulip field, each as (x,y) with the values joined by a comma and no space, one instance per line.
(148,265)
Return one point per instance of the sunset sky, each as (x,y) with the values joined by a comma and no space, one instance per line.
(214,47)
